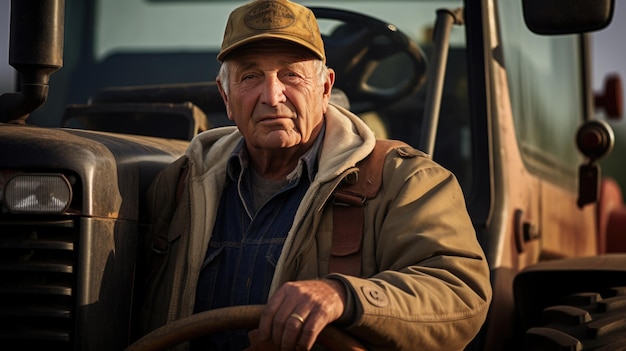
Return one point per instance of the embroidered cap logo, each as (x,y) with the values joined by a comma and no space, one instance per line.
(269,15)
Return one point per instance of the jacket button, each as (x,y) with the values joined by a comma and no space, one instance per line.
(375,296)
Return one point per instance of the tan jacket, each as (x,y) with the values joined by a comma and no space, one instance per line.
(425,281)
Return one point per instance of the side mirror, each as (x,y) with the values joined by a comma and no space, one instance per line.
(553,17)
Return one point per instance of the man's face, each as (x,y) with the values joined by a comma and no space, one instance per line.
(276,96)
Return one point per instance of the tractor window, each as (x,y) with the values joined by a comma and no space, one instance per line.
(545,83)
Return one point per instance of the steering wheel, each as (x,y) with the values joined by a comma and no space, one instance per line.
(227,318)
(358,46)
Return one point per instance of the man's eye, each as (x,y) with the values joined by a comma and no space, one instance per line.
(291,77)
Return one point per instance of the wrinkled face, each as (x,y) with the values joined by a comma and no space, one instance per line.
(277,95)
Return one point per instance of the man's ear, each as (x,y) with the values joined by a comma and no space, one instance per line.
(328,87)
(224,98)
(222,93)
(330,82)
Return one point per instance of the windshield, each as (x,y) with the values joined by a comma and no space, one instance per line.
(113,43)
(147,26)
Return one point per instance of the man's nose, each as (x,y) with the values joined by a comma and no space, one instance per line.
(273,91)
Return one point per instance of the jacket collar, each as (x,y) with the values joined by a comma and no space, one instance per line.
(347,141)
(239,159)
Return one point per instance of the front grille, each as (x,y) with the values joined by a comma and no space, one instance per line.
(37,283)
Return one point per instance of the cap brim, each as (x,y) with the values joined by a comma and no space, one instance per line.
(264,36)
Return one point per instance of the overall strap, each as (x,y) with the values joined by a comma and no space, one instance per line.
(349,209)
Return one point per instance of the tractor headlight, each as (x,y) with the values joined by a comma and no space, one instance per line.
(42,193)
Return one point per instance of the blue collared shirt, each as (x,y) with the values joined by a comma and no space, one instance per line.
(246,244)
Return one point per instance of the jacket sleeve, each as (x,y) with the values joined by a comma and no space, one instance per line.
(162,199)
(430,288)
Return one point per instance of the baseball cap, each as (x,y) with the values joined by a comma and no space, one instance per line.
(272,19)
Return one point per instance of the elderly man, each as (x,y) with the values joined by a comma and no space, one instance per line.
(253,222)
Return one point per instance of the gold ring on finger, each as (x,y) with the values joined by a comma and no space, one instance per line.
(298,317)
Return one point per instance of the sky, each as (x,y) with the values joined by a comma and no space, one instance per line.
(608,51)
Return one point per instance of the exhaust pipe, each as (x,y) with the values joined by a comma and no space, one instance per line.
(36,51)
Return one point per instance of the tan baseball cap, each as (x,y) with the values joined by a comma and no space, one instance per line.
(272,19)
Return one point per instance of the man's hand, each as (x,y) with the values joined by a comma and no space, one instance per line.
(297,313)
